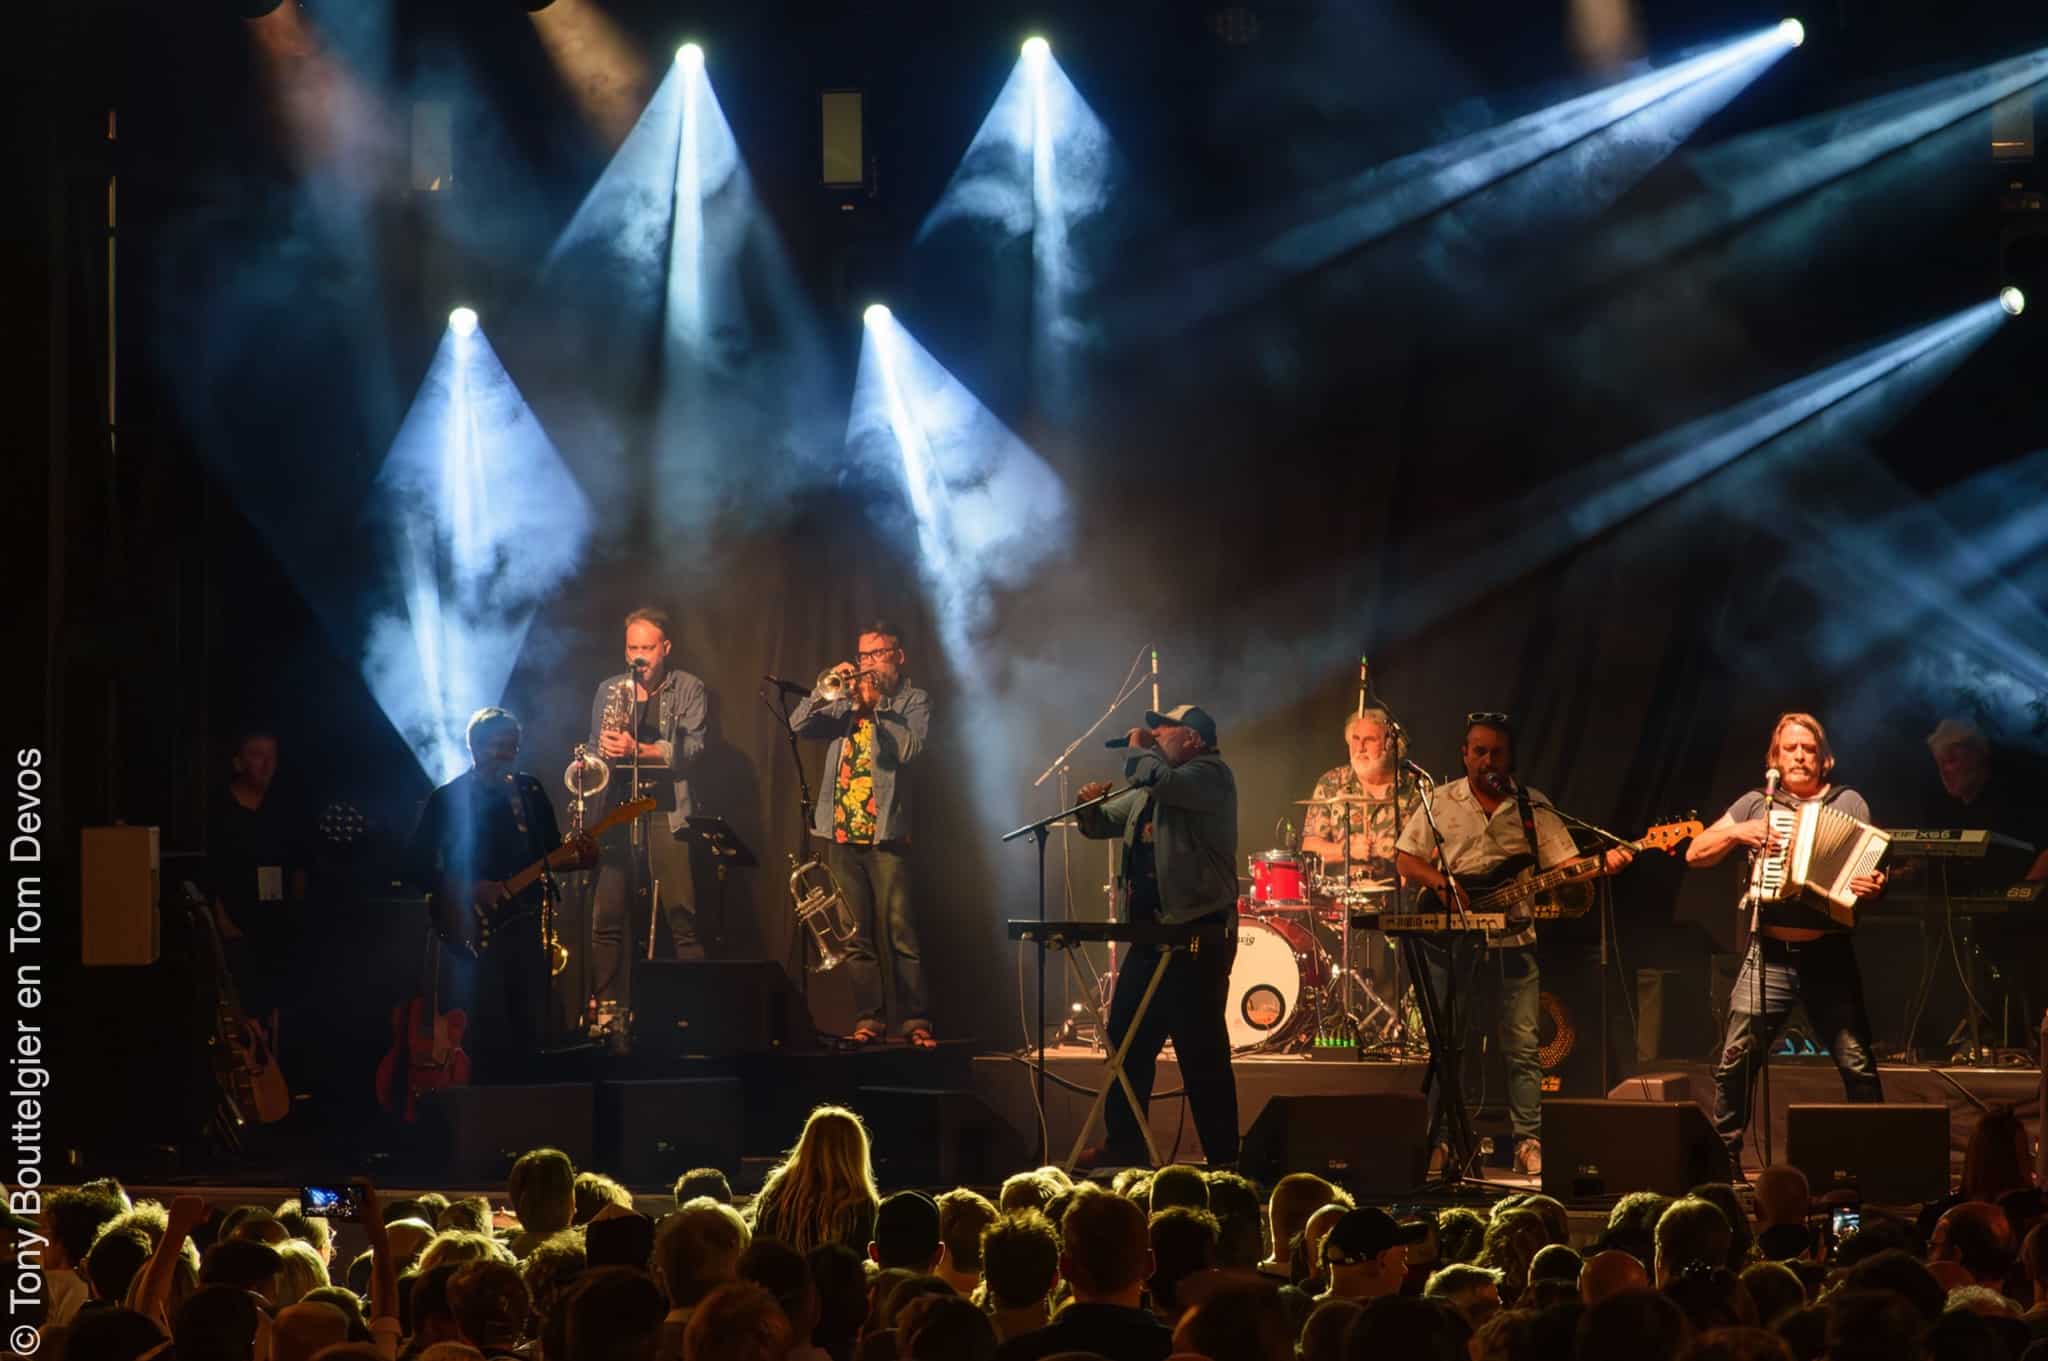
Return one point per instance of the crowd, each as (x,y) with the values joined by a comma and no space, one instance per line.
(1178,1263)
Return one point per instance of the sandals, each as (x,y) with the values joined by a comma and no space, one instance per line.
(865,1034)
(921,1037)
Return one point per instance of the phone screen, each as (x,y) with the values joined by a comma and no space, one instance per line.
(1846,1222)
(329,1202)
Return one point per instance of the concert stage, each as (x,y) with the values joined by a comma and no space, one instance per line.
(1005,1082)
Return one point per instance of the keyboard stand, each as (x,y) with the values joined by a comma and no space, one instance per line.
(1115,1069)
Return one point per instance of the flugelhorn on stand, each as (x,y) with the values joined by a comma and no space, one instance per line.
(821,907)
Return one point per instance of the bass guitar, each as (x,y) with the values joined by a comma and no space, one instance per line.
(512,904)
(1518,893)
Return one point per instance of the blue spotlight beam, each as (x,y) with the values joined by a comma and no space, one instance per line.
(1587,504)
(484,523)
(1335,221)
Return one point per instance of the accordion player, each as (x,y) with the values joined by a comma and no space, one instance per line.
(1815,853)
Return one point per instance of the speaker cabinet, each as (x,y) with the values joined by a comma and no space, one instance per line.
(1594,1149)
(1656,1087)
(478,1132)
(118,888)
(1373,1143)
(927,1136)
(1892,1154)
(717,1008)
(650,1133)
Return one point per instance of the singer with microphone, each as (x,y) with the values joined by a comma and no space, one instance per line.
(1489,818)
(647,719)
(1782,965)
(876,724)
(1178,824)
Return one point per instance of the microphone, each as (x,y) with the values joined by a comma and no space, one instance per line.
(1364,682)
(1116,742)
(1771,778)
(1417,771)
(638,664)
(787,687)
(1155,682)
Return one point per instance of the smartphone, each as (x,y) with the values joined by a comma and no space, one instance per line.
(1845,1222)
(331,1202)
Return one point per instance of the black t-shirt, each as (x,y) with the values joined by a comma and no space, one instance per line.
(250,854)
(1108,1330)
(2004,804)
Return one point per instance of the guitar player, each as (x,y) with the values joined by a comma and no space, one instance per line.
(476,831)
(1487,819)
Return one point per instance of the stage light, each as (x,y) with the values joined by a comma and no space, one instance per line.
(1793,32)
(1036,48)
(462,321)
(690,57)
(875,314)
(2012,300)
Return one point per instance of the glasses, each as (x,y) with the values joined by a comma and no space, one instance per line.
(1491,718)
(875,654)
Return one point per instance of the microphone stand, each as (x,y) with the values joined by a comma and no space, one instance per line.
(1446,1041)
(1606,917)
(1039,832)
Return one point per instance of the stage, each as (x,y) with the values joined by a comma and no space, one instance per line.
(1004,1081)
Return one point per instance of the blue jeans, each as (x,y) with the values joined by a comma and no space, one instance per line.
(1775,974)
(1509,979)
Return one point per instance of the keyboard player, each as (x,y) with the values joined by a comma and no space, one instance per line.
(1783,965)
(1979,792)
(1178,824)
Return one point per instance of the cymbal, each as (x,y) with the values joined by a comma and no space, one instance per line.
(1340,798)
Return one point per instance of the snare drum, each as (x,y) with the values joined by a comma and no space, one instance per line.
(1279,877)
(1277,972)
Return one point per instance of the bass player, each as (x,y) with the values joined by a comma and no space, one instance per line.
(1487,819)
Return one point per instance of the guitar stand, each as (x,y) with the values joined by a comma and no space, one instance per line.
(1115,1069)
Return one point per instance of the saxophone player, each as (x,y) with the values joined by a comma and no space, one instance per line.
(876,722)
(654,714)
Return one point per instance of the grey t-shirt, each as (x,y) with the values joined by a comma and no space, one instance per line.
(1839,797)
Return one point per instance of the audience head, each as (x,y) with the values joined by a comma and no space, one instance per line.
(839,1275)
(351,1307)
(542,1189)
(552,1267)
(697,1249)
(906,1232)
(1408,1328)
(1295,1197)
(1740,1344)
(470,1214)
(963,1215)
(1179,1184)
(1243,1319)
(1020,1260)
(1692,1232)
(301,1269)
(110,1335)
(826,1182)
(1105,1247)
(614,1314)
(948,1328)
(462,1245)
(218,1323)
(1897,1272)
(593,1191)
(300,1330)
(1781,1196)
(1460,1234)
(114,1259)
(1977,1236)
(1999,1157)
(708,1182)
(1873,1325)
(1610,1273)
(490,1304)
(1322,1337)
(1310,1241)
(1366,1252)
(1556,1262)
(1513,1239)
(1742,1241)
(1183,1242)
(1236,1203)
(1712,1297)
(1557,1223)
(1027,1191)
(619,1240)
(1634,1325)
(782,1271)
(428,1316)
(246,1265)
(1776,1290)
(307,1228)
(1474,1291)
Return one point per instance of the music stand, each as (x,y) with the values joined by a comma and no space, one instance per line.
(722,844)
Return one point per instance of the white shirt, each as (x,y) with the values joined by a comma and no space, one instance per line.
(1480,842)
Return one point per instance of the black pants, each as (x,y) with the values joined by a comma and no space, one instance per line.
(661,865)
(1775,974)
(1188,1008)
(503,994)
(884,962)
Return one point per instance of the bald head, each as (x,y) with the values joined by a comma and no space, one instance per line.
(303,1329)
(1610,1273)
(1782,1196)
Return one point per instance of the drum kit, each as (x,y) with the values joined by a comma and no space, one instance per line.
(1296,983)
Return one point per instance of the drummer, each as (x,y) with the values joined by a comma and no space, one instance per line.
(1351,821)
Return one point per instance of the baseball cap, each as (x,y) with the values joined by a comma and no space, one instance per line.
(1366,1233)
(1187,716)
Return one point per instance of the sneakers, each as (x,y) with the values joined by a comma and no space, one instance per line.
(1529,1157)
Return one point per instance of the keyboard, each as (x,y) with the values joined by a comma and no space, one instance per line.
(1923,895)
(1395,923)
(1064,935)
(1954,843)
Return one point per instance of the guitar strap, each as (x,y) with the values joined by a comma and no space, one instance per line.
(1528,824)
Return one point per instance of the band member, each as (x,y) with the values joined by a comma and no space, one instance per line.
(1179,830)
(656,712)
(1360,833)
(476,831)
(1979,792)
(1488,818)
(1783,965)
(875,729)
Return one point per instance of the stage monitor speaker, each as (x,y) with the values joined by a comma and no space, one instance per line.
(927,1136)
(650,1133)
(1595,1149)
(1654,1087)
(119,870)
(1373,1143)
(478,1132)
(716,1008)
(1891,1154)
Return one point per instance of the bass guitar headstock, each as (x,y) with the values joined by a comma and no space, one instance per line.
(1663,836)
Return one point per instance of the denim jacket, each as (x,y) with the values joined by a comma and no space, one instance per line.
(681,706)
(1194,829)
(903,721)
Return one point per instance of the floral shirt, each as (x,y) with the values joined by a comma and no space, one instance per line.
(1372,821)
(853,797)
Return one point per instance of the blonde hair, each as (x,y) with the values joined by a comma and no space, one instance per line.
(1820,740)
(826,1178)
(304,1269)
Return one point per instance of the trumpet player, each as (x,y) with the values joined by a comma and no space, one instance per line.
(653,715)
(876,723)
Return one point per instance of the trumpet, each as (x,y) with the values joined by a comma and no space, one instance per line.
(835,684)
(821,907)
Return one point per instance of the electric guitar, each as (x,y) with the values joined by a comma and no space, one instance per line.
(511,905)
(1521,893)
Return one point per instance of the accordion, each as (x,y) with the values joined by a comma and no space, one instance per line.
(1805,883)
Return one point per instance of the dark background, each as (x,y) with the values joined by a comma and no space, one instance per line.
(1258,496)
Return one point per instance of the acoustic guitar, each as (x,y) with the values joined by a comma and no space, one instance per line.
(241,1049)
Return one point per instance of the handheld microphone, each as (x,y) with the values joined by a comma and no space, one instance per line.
(1771,779)
(1116,742)
(638,664)
(787,687)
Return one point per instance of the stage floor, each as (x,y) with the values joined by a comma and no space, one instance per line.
(1005,1082)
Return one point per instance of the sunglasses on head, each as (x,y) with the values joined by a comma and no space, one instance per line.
(1491,718)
